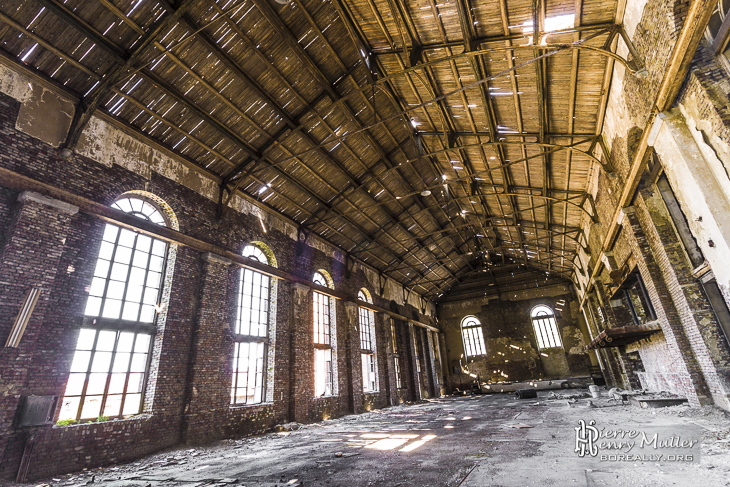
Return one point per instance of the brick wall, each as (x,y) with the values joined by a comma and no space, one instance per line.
(507,324)
(188,391)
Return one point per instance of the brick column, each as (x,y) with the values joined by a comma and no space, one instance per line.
(301,353)
(209,377)
(352,354)
(415,376)
(705,336)
(34,244)
(685,367)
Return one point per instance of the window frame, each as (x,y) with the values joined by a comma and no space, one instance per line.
(99,324)
(396,355)
(322,330)
(474,343)
(254,252)
(544,321)
(366,322)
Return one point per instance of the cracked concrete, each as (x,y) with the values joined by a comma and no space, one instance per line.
(492,440)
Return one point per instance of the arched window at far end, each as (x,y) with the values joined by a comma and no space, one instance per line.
(473,336)
(546,328)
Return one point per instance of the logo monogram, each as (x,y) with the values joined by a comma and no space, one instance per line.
(585,438)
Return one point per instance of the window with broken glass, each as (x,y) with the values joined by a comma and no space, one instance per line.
(473,337)
(251,332)
(323,371)
(367,346)
(111,361)
(396,356)
(545,326)
(718,30)
(635,298)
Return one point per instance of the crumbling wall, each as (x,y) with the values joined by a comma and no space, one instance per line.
(512,352)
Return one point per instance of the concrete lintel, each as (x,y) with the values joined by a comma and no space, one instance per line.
(212,257)
(45,200)
(302,288)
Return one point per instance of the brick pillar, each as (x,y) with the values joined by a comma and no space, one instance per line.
(301,353)
(34,244)
(352,354)
(707,339)
(685,367)
(209,377)
(415,375)
(433,385)
(389,361)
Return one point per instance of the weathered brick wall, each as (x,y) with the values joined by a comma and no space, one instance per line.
(507,324)
(689,357)
(194,331)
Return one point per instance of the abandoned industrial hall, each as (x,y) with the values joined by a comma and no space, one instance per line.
(364,242)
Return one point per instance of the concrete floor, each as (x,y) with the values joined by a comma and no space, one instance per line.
(470,441)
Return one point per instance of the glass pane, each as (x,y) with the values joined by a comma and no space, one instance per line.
(121,362)
(119,272)
(158,248)
(148,314)
(97,286)
(75,384)
(123,204)
(134,384)
(134,293)
(142,344)
(136,276)
(153,279)
(110,232)
(123,255)
(97,384)
(86,339)
(131,403)
(93,306)
(92,407)
(116,384)
(106,250)
(140,259)
(112,307)
(113,405)
(150,296)
(101,362)
(131,311)
(139,362)
(126,339)
(115,290)
(106,340)
(143,243)
(102,268)
(156,263)
(126,238)
(80,361)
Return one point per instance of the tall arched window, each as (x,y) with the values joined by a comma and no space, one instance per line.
(111,362)
(323,366)
(251,332)
(546,329)
(473,336)
(367,344)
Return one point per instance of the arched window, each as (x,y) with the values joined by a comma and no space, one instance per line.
(111,362)
(473,336)
(546,329)
(251,332)
(367,344)
(323,366)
